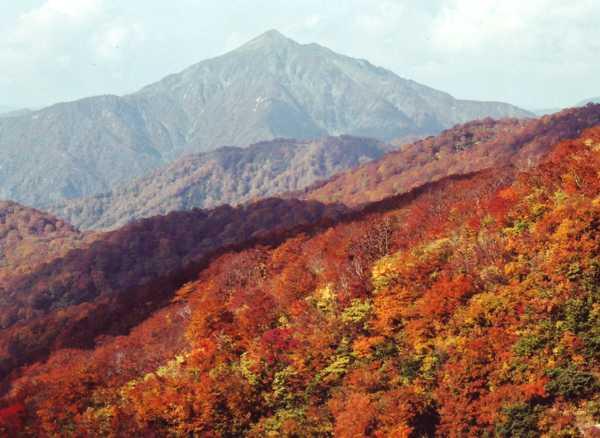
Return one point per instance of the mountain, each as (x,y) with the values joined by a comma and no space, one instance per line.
(466,307)
(5,109)
(15,112)
(228,175)
(270,87)
(467,148)
(234,175)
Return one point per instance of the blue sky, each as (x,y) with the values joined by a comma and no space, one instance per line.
(534,53)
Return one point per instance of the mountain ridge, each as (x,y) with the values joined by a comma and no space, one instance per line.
(227,175)
(144,260)
(270,87)
(313,168)
(466,148)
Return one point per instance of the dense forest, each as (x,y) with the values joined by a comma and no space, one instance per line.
(466,307)
(228,175)
(473,146)
(112,281)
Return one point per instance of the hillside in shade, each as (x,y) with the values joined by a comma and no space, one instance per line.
(228,175)
(465,307)
(30,238)
(271,87)
(80,286)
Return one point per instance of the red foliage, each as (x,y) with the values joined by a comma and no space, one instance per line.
(276,342)
(11,419)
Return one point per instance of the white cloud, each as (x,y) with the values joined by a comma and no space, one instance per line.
(516,25)
(117,38)
(54,45)
(59,9)
(312,21)
(50,21)
(384,17)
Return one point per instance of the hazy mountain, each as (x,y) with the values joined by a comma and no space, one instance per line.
(15,112)
(270,87)
(227,175)
(546,111)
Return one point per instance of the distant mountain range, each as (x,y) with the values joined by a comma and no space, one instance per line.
(546,111)
(270,87)
(229,175)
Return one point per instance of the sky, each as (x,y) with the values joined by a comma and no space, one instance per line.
(533,53)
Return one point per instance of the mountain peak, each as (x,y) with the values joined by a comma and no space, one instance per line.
(270,38)
(272,34)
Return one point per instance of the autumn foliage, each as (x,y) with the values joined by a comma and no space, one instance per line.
(105,284)
(467,307)
(471,147)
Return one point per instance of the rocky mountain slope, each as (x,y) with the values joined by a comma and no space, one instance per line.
(270,87)
(228,175)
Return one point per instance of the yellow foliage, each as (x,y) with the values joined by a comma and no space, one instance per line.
(564,230)
(384,271)
(324,298)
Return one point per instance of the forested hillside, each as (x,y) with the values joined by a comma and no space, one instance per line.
(234,175)
(465,148)
(466,307)
(121,277)
(229,175)
(30,238)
